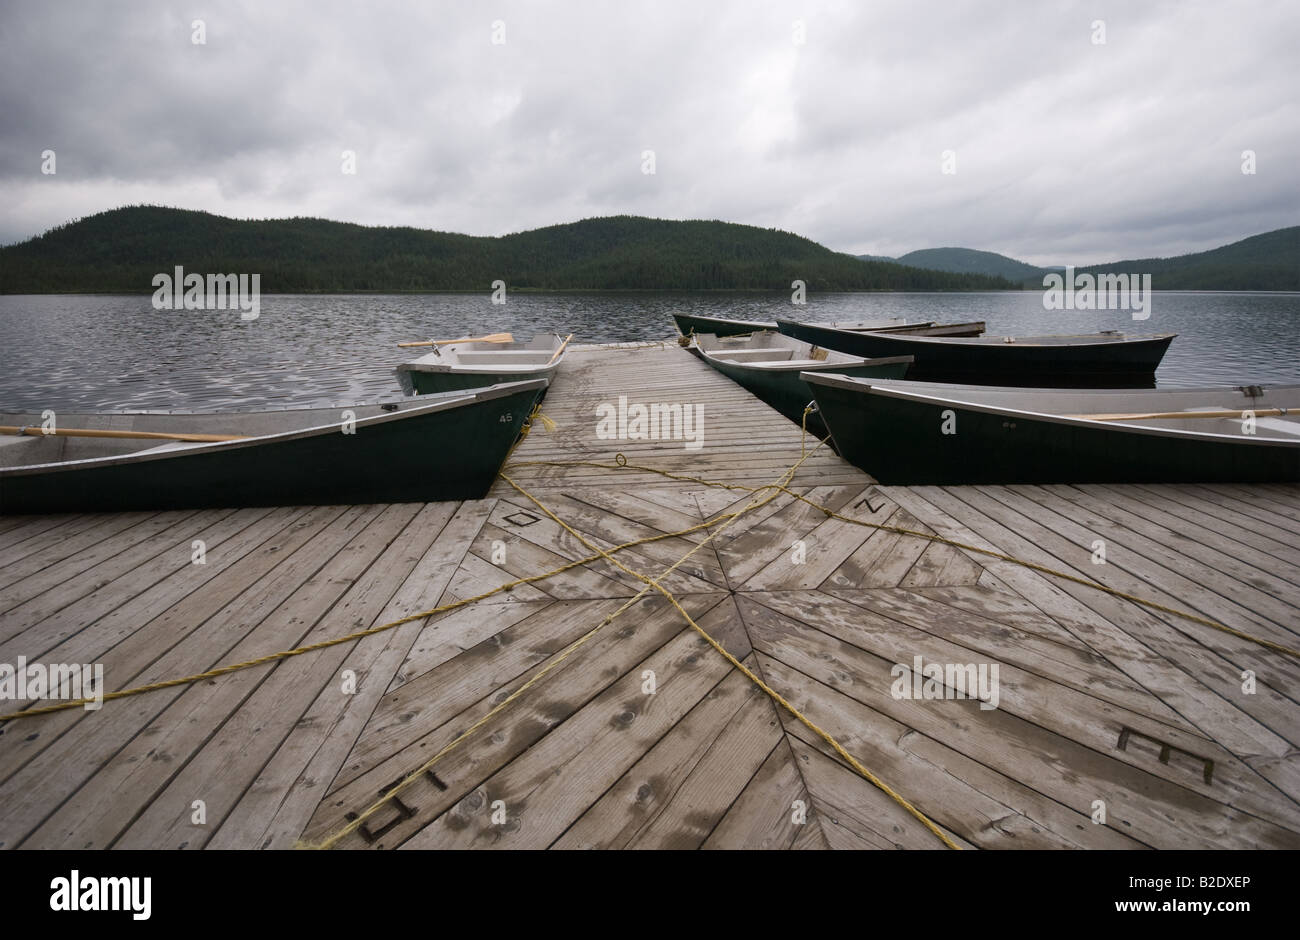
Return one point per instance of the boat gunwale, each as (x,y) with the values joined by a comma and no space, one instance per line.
(869,386)
(1080,339)
(500,368)
(503,368)
(850,362)
(888,324)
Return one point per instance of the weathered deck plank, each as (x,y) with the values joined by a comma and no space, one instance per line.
(644,736)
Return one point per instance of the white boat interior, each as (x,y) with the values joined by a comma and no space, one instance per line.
(1273,410)
(771,350)
(534,355)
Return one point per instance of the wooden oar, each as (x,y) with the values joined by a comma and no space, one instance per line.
(34,431)
(560,350)
(1155,415)
(490,338)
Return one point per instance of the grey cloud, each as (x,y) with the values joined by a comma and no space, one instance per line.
(1067,151)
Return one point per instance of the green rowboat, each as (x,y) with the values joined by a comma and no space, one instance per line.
(442,447)
(459,366)
(697,324)
(914,433)
(1099,359)
(768,365)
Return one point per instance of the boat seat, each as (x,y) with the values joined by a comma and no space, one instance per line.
(812,365)
(752,355)
(505,352)
(514,357)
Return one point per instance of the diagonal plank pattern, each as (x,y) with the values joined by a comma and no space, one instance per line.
(643,736)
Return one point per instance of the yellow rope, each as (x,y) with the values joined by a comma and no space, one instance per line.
(360,634)
(414,775)
(534,415)
(654,583)
(721,522)
(1146,602)
(410,778)
(621,464)
(745,670)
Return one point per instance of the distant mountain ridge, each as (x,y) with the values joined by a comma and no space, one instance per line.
(965,261)
(121,250)
(1269,261)
(971,261)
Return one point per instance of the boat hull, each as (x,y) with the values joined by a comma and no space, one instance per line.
(901,441)
(1119,362)
(418,382)
(783,390)
(434,453)
(698,324)
(688,323)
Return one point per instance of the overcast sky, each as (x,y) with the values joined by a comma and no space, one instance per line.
(827,119)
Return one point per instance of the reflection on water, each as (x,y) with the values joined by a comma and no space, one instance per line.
(77,351)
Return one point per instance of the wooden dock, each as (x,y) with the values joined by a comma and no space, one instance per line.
(645,736)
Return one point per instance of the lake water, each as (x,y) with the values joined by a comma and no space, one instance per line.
(77,351)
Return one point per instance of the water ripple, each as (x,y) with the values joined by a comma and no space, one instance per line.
(79,351)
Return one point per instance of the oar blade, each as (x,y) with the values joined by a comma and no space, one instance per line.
(489,338)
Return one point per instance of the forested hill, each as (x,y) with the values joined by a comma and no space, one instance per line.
(121,251)
(1270,261)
